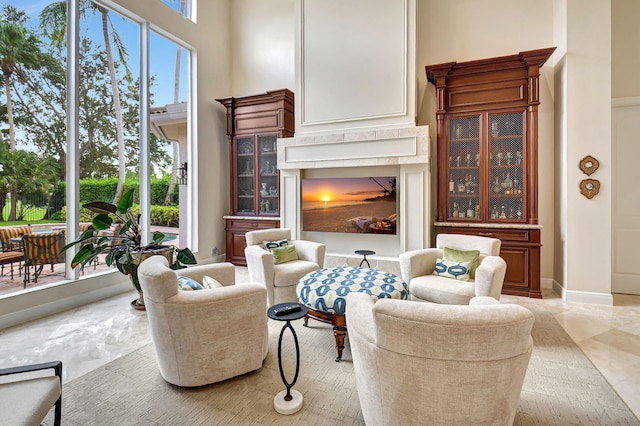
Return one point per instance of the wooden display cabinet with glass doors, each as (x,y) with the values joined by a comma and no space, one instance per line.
(254,124)
(487,157)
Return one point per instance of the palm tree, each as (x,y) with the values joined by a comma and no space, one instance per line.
(19,50)
(54,24)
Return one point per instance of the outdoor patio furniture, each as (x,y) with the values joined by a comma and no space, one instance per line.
(11,240)
(40,250)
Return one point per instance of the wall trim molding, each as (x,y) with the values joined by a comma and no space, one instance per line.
(583,296)
(625,102)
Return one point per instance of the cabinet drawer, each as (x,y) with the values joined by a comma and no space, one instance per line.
(251,224)
(519,235)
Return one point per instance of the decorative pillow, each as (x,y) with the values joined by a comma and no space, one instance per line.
(187,284)
(456,255)
(209,282)
(268,245)
(452,269)
(284,254)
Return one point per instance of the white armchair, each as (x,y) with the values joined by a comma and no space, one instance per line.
(204,336)
(280,280)
(427,364)
(417,267)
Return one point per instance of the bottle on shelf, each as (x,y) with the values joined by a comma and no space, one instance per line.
(496,186)
(461,187)
(451,184)
(503,215)
(478,210)
(470,211)
(508,185)
(494,212)
(455,212)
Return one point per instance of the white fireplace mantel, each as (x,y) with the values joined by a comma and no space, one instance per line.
(403,150)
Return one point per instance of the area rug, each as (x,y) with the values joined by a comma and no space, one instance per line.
(562,387)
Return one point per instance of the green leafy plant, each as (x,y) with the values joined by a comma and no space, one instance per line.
(123,247)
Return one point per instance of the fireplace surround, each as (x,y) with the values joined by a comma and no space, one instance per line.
(402,152)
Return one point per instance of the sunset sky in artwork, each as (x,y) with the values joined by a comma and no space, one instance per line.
(343,189)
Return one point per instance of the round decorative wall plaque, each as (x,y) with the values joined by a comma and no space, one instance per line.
(589,187)
(588,165)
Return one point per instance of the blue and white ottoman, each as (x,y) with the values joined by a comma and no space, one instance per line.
(325,291)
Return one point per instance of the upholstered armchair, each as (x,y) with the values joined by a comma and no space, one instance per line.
(281,279)
(418,266)
(204,336)
(430,364)
(29,393)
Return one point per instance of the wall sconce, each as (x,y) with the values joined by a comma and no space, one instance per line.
(182,174)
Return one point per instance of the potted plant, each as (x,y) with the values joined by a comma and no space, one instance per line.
(124,245)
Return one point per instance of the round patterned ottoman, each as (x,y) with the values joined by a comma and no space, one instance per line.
(324,292)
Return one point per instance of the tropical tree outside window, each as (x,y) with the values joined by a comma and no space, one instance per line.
(33,134)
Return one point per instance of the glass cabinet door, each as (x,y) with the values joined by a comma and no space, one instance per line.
(268,178)
(245,162)
(506,177)
(464,168)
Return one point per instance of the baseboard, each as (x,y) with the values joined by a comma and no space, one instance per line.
(37,311)
(583,296)
(546,283)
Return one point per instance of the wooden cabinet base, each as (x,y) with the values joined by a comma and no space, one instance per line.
(236,228)
(520,249)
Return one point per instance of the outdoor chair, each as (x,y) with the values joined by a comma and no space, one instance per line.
(41,250)
(12,249)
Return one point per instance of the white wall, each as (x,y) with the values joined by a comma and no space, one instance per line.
(262,46)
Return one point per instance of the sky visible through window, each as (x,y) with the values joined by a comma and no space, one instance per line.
(162,55)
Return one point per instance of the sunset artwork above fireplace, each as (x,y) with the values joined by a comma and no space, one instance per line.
(350,204)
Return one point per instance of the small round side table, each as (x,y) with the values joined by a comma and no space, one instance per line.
(288,401)
(364,254)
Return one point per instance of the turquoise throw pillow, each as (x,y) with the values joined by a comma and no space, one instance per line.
(451,269)
(187,284)
(268,245)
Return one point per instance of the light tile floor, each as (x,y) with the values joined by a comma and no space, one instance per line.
(90,336)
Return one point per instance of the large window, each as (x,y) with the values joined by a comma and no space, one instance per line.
(93,138)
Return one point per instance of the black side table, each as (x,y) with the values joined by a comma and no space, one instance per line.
(288,401)
(364,254)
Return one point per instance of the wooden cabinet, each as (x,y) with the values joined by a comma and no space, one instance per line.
(487,157)
(254,123)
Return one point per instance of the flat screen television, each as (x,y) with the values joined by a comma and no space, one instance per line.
(350,204)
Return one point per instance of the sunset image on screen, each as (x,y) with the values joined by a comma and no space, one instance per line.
(360,204)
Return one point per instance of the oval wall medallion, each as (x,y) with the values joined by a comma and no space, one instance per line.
(588,165)
(589,187)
